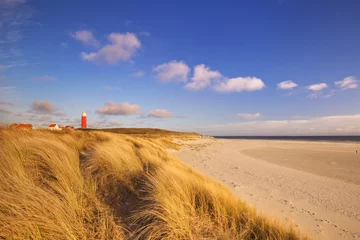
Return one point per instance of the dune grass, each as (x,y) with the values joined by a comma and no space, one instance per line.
(99,185)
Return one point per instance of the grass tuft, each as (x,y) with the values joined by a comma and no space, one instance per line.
(100,185)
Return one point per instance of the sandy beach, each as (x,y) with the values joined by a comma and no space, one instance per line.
(315,185)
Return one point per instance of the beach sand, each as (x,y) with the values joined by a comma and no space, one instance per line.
(315,185)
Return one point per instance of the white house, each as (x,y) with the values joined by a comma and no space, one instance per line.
(54,126)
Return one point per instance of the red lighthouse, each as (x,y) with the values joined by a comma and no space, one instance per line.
(83,120)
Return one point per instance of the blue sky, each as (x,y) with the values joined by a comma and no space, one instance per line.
(266,67)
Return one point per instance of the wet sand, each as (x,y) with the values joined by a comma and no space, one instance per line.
(315,185)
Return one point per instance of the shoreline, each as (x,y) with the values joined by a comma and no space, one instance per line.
(326,139)
(323,206)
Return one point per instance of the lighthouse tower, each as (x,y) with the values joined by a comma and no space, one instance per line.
(83,120)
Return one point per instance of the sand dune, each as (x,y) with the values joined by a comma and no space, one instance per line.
(316,185)
(100,185)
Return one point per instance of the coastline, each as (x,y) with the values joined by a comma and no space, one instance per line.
(292,180)
(337,139)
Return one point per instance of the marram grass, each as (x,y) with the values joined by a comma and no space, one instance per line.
(100,185)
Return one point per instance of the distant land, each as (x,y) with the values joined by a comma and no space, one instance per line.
(298,138)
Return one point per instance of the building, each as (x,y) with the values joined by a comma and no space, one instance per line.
(14,125)
(70,127)
(54,126)
(83,120)
(25,126)
(21,126)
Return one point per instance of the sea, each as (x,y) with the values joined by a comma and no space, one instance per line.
(298,138)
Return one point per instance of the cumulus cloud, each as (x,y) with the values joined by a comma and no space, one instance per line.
(249,116)
(121,48)
(286,85)
(317,87)
(86,37)
(317,90)
(347,83)
(328,125)
(160,113)
(45,108)
(202,78)
(112,108)
(45,78)
(176,71)
(240,84)
(138,74)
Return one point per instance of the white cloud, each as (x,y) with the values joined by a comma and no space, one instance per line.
(121,48)
(240,84)
(45,108)
(138,74)
(86,37)
(317,90)
(347,83)
(317,87)
(160,113)
(328,125)
(125,108)
(202,77)
(289,84)
(249,116)
(172,71)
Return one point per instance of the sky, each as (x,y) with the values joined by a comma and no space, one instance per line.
(260,67)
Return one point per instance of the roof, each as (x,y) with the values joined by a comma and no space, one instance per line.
(25,126)
(69,126)
(52,125)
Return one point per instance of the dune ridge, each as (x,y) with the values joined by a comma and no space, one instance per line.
(100,185)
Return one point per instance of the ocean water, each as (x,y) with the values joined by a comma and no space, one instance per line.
(298,138)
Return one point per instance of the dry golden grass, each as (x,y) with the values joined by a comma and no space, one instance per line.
(97,185)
